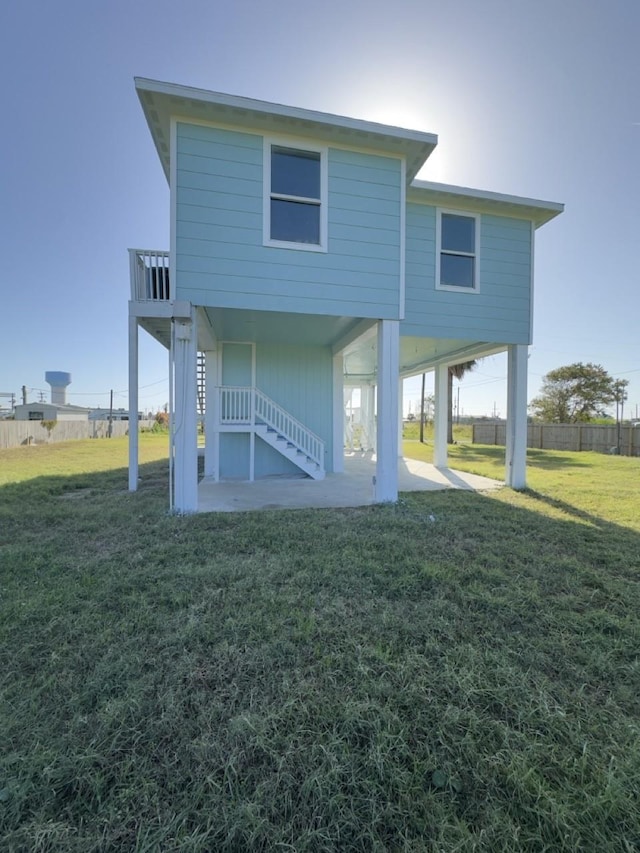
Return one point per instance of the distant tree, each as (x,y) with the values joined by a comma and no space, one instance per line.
(457,371)
(575,393)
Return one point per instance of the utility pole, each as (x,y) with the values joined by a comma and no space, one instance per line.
(110,429)
(422,412)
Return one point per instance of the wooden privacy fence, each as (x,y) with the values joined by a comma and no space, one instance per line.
(15,433)
(599,437)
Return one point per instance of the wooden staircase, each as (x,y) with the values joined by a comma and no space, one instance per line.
(249,407)
(290,451)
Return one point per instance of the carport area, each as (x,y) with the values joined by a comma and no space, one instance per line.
(353,487)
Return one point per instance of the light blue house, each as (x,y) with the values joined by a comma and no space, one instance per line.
(306,258)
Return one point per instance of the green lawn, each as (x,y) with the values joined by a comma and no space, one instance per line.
(458,672)
(592,486)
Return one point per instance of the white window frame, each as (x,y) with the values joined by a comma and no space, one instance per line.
(295,145)
(476,252)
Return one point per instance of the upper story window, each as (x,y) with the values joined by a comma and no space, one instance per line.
(295,212)
(457,251)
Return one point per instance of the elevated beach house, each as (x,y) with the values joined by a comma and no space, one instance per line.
(306,259)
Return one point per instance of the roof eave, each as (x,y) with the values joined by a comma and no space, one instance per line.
(540,212)
(160,101)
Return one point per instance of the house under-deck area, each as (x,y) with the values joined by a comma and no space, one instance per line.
(256,451)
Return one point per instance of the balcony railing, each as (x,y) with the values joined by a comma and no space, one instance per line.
(149,271)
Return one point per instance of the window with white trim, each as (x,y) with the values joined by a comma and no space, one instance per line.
(457,251)
(295,197)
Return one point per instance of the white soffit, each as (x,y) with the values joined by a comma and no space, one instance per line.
(483,201)
(160,101)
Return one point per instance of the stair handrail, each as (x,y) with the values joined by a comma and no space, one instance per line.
(249,406)
(290,428)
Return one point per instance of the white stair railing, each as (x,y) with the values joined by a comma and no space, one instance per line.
(149,273)
(239,405)
(234,405)
(302,438)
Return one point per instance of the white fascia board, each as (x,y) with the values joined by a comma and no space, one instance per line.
(468,198)
(161,101)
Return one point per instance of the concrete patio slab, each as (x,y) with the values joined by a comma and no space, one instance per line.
(352,488)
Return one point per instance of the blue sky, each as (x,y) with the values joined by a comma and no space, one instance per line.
(531,97)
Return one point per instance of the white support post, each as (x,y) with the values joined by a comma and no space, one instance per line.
(133,403)
(211,415)
(186,421)
(516,444)
(441,416)
(367,416)
(338,414)
(386,485)
(400,417)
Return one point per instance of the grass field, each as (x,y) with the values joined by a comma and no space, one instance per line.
(457,672)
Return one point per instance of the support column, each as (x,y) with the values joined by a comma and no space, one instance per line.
(337,460)
(400,416)
(516,449)
(367,417)
(386,486)
(133,403)
(185,420)
(211,416)
(440,416)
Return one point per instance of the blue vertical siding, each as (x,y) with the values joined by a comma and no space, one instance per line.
(237,364)
(220,258)
(300,379)
(234,455)
(500,312)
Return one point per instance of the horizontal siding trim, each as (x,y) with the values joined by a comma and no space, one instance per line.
(220,236)
(483,312)
(207,198)
(382,259)
(366,174)
(352,157)
(243,286)
(219,220)
(295,275)
(375,251)
(364,204)
(367,219)
(190,212)
(229,182)
(204,169)
(505,243)
(200,153)
(297,303)
(245,257)
(200,230)
(344,188)
(501,224)
(358,234)
(211,134)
